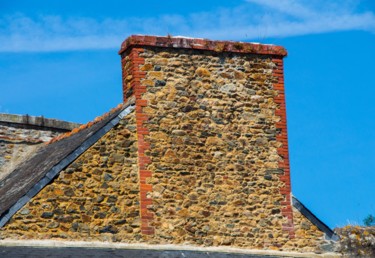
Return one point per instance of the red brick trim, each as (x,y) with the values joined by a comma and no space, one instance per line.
(201,44)
(132,87)
(282,136)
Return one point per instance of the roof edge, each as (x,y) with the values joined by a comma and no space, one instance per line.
(202,44)
(39,121)
(330,234)
(163,247)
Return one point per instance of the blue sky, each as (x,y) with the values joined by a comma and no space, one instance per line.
(60,60)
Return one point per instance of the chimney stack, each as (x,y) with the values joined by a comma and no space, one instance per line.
(212,139)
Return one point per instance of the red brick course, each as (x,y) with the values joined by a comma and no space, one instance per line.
(283,151)
(131,70)
(201,44)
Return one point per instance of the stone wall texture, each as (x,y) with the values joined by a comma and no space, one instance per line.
(20,136)
(357,241)
(17,142)
(94,198)
(308,237)
(213,148)
(203,160)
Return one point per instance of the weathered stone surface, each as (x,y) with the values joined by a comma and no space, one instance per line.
(202,72)
(46,215)
(207,156)
(308,237)
(92,197)
(21,136)
(356,241)
(214,153)
(17,143)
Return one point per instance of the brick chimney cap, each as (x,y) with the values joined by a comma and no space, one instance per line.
(202,44)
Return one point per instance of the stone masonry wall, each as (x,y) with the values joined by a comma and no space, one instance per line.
(308,237)
(17,143)
(20,136)
(94,198)
(213,147)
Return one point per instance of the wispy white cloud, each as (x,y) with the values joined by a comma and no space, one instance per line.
(300,17)
(252,20)
(290,7)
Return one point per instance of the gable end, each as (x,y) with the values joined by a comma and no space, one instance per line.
(56,169)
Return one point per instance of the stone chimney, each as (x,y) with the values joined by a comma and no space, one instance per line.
(212,140)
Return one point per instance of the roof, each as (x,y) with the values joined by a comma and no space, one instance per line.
(202,44)
(55,252)
(62,248)
(33,174)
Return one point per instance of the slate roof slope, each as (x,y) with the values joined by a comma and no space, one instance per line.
(33,174)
